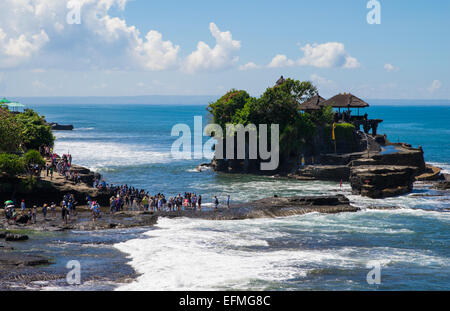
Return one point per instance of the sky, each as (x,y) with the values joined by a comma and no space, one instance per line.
(145,47)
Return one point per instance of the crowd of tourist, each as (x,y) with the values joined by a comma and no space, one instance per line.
(62,165)
(122,198)
(135,199)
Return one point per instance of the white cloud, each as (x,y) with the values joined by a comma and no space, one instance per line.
(14,50)
(280,60)
(390,67)
(38,28)
(157,54)
(222,56)
(36,32)
(321,81)
(327,55)
(351,63)
(249,66)
(40,85)
(435,85)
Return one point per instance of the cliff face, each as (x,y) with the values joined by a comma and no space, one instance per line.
(312,151)
(374,166)
(379,181)
(48,190)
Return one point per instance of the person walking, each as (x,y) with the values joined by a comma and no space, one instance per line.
(44,210)
(34,214)
(216,202)
(53,209)
(64,213)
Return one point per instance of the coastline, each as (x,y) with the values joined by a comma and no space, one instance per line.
(103,267)
(66,235)
(25,270)
(22,268)
(31,271)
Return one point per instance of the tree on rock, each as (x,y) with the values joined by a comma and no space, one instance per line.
(11,165)
(10,132)
(31,159)
(35,132)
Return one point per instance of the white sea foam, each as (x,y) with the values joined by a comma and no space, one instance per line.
(191,254)
(179,256)
(97,155)
(444,166)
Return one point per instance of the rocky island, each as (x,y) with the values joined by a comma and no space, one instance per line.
(318,143)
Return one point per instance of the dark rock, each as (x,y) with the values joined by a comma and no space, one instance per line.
(6,248)
(325,172)
(339,159)
(383,207)
(203,167)
(3,234)
(16,237)
(380,181)
(271,207)
(403,156)
(18,259)
(61,127)
(442,185)
(23,219)
(430,173)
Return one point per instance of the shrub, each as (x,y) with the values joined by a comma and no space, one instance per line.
(11,164)
(344,131)
(33,157)
(10,132)
(34,130)
(323,116)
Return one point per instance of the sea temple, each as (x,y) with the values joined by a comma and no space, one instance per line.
(324,139)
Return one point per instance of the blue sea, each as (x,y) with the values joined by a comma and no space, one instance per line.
(130,143)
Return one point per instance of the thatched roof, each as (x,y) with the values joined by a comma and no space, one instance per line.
(314,103)
(345,100)
(280,81)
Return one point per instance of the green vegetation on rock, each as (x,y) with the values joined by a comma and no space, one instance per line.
(344,131)
(11,164)
(22,133)
(10,132)
(277,105)
(34,131)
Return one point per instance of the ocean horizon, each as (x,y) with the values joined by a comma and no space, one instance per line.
(189,100)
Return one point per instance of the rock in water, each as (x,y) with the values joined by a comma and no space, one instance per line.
(23,219)
(443,185)
(380,181)
(325,172)
(16,237)
(21,260)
